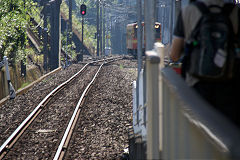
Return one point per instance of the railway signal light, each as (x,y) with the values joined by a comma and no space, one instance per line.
(83,9)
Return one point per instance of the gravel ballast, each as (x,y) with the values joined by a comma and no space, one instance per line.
(102,129)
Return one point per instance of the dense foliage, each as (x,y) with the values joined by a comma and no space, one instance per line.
(13,24)
(14,20)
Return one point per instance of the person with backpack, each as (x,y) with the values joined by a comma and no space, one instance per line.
(207,39)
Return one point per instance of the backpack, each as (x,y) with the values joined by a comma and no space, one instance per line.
(211,52)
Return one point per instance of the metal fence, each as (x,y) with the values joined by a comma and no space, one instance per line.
(180,124)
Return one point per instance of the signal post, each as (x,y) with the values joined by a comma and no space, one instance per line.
(83,11)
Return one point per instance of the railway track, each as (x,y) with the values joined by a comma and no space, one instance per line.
(59,96)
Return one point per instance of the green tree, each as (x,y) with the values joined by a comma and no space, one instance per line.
(13,25)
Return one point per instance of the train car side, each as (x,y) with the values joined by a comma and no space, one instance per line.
(132,37)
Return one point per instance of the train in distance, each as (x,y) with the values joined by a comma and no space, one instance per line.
(132,37)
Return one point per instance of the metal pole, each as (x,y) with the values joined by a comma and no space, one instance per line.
(139,44)
(163,22)
(69,30)
(104,30)
(70,24)
(82,33)
(156,11)
(55,35)
(45,37)
(149,29)
(171,21)
(97,27)
(52,52)
(107,29)
(66,58)
(111,30)
(23,61)
(149,18)
(100,35)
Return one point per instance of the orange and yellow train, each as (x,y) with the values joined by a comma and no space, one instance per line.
(132,37)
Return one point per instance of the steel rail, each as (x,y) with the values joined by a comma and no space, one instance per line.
(68,132)
(70,124)
(7,144)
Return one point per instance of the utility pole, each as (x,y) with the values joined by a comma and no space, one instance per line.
(139,44)
(171,21)
(45,36)
(156,10)
(55,34)
(104,30)
(163,22)
(149,17)
(100,35)
(23,61)
(97,28)
(66,58)
(69,32)
(108,28)
(111,31)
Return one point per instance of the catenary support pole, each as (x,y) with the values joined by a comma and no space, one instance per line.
(45,36)
(171,22)
(67,49)
(107,28)
(163,7)
(139,44)
(97,28)
(149,18)
(100,34)
(104,29)
(55,34)
(156,10)
(70,24)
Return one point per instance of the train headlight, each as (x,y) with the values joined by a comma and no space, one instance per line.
(156,26)
(136,26)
